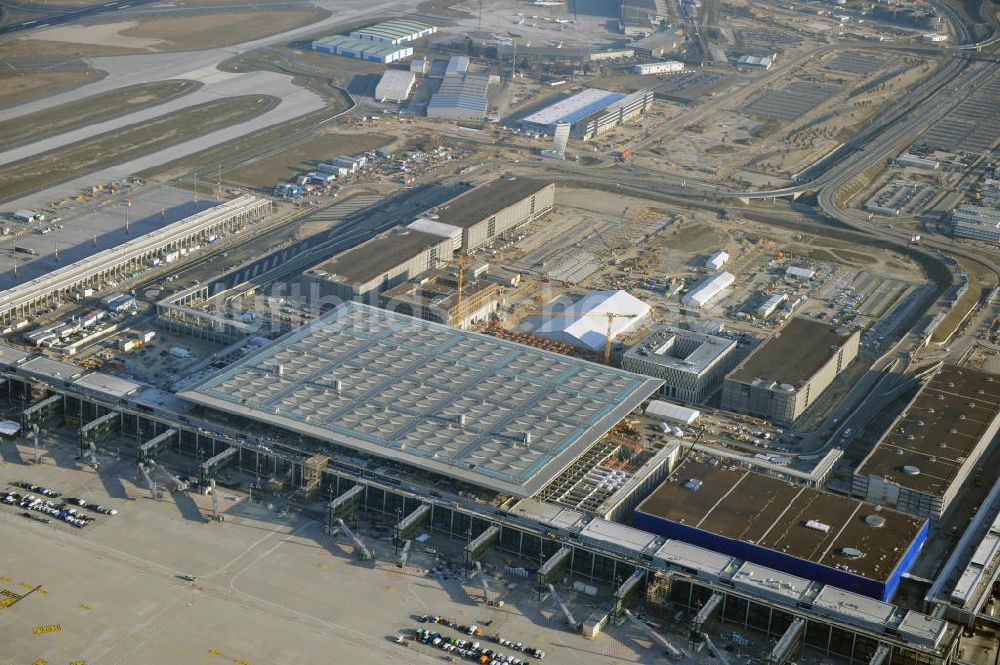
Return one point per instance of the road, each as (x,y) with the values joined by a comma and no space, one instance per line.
(73,16)
(200,66)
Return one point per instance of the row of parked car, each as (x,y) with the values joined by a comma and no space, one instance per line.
(62,512)
(52,494)
(474,650)
(66,510)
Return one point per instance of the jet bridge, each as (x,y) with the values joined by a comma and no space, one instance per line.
(47,409)
(475,549)
(553,566)
(626,590)
(361,549)
(210,468)
(98,430)
(152,448)
(407,527)
(344,506)
(706,612)
(782,651)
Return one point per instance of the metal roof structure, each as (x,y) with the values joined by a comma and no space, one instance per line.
(482,410)
(464,92)
(573,108)
(584,323)
(396,30)
(395,85)
(107,384)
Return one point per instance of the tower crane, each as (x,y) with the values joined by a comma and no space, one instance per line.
(610,316)
(614,254)
(460,262)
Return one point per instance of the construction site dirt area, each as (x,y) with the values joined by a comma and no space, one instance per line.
(599,241)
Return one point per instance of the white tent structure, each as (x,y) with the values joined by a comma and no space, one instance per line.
(584,323)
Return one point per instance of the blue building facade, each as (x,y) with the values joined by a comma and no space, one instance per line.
(881,589)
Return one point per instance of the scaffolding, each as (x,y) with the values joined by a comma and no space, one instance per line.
(312,475)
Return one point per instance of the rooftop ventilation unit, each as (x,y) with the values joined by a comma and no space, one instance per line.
(876,521)
(851,552)
(817,526)
(911,470)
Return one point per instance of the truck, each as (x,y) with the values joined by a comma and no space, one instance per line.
(25,250)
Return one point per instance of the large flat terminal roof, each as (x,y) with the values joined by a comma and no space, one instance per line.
(575,107)
(406,384)
(475,205)
(747,506)
(791,355)
(937,432)
(379,255)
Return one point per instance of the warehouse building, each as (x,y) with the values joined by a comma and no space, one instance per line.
(924,459)
(395,85)
(584,322)
(614,54)
(708,290)
(717,260)
(481,411)
(462,96)
(976,223)
(667,67)
(691,364)
(457,64)
(754,62)
(789,371)
(796,529)
(378,264)
(433,296)
(351,47)
(395,32)
(490,210)
(659,44)
(641,17)
(590,112)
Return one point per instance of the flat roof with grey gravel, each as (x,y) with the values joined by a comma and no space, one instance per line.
(376,256)
(479,409)
(793,354)
(477,204)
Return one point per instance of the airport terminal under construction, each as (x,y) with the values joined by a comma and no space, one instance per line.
(543,456)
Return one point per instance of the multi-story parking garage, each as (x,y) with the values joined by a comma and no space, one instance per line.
(22,301)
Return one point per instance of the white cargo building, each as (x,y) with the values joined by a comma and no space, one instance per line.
(584,323)
(672,412)
(665,67)
(717,260)
(768,307)
(708,289)
(395,85)
(799,273)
